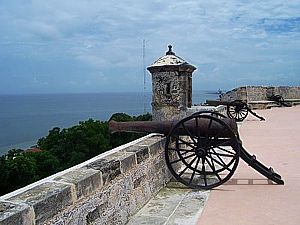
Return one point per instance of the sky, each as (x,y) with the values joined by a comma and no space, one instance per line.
(82,46)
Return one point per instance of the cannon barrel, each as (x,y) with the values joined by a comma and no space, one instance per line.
(205,126)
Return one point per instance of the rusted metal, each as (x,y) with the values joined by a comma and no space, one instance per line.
(164,127)
(279,100)
(203,150)
(215,102)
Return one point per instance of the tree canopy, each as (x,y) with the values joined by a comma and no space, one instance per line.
(61,149)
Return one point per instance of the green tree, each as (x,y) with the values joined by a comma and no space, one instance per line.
(46,163)
(118,139)
(121,117)
(62,148)
(14,152)
(144,117)
(17,172)
(78,143)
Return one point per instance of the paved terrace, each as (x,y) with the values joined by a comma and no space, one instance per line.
(248,198)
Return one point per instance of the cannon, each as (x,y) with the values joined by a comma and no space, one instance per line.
(279,100)
(203,150)
(236,109)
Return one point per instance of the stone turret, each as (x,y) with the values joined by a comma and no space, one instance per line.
(171,86)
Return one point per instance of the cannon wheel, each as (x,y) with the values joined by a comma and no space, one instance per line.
(279,98)
(202,161)
(237,110)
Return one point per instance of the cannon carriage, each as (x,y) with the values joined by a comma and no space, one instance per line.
(279,100)
(236,109)
(203,150)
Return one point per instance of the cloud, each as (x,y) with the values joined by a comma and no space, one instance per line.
(226,40)
(278,26)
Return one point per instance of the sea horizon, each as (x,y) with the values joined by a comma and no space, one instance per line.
(95,92)
(24,118)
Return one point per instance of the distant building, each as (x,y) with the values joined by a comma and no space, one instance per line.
(171,86)
(34,150)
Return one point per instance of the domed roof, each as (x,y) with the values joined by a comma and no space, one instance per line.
(170,59)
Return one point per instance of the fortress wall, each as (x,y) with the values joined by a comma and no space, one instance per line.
(256,93)
(237,93)
(261,93)
(288,92)
(106,189)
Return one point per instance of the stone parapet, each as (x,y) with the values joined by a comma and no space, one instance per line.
(258,96)
(107,189)
(194,109)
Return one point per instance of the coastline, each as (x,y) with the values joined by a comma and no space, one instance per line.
(23,145)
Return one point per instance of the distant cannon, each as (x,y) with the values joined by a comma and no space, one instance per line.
(202,151)
(236,109)
(279,100)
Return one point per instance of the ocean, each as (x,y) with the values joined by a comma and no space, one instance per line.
(26,118)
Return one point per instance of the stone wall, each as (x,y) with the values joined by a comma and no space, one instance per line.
(237,93)
(261,93)
(288,92)
(107,189)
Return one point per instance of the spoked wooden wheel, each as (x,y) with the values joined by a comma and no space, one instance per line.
(202,151)
(237,110)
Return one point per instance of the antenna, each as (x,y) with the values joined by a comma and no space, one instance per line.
(144,73)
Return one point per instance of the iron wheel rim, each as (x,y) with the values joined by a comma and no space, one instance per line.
(202,167)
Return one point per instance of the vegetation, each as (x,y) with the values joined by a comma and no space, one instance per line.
(61,149)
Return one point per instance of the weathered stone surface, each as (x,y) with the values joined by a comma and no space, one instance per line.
(46,199)
(77,197)
(141,152)
(96,213)
(155,144)
(158,173)
(127,160)
(172,88)
(237,93)
(261,93)
(78,213)
(172,206)
(86,181)
(13,214)
(189,209)
(110,169)
(147,220)
(142,155)
(165,202)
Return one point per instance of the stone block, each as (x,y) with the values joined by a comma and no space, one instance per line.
(155,144)
(12,214)
(96,213)
(86,181)
(110,169)
(137,182)
(127,160)
(142,155)
(46,199)
(147,220)
(141,152)
(190,208)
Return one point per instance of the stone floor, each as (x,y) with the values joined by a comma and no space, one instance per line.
(249,199)
(173,205)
